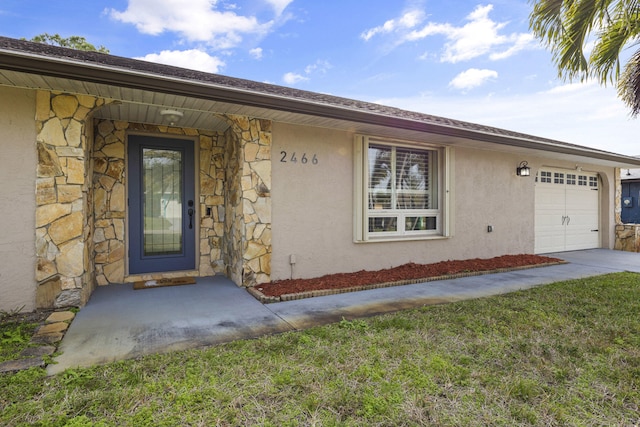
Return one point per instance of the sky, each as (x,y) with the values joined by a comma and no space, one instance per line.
(460,59)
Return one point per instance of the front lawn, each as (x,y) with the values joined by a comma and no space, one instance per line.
(563,354)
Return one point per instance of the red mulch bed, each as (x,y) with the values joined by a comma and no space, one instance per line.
(409,271)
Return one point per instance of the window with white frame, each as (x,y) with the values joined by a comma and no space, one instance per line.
(399,190)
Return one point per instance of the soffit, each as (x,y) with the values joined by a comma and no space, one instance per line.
(144,106)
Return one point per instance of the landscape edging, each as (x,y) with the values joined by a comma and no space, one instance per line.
(256,293)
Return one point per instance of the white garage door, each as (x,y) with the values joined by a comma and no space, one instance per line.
(567,207)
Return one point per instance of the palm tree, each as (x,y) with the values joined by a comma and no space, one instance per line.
(567,27)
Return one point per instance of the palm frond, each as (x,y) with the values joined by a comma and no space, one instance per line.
(546,20)
(606,53)
(629,84)
(567,27)
(580,19)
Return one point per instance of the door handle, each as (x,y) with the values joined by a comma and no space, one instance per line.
(568,220)
(190,212)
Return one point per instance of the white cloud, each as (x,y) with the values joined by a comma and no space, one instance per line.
(471,78)
(577,113)
(293,78)
(256,53)
(520,42)
(279,5)
(195,21)
(479,36)
(407,21)
(318,67)
(193,59)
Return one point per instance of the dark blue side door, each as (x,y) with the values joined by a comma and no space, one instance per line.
(630,202)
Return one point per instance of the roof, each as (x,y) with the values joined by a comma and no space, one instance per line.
(205,96)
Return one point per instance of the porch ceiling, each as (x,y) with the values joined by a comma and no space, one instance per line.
(144,106)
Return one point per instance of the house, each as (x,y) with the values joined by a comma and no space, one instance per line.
(116,170)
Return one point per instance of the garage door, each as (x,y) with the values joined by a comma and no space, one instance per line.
(567,211)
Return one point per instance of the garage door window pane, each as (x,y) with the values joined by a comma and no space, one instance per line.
(545,176)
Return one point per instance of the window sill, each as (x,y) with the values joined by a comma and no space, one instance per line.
(402,239)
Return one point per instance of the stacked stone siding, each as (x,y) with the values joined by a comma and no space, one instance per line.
(248,221)
(628,237)
(81,199)
(64,208)
(109,184)
(109,201)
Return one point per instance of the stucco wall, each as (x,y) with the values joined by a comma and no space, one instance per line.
(17,199)
(313,207)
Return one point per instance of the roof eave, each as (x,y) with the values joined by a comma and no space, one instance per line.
(135,79)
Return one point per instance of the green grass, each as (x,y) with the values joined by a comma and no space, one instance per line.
(15,337)
(559,355)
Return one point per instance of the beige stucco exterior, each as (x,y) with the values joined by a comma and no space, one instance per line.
(17,200)
(64,215)
(266,208)
(313,207)
(64,206)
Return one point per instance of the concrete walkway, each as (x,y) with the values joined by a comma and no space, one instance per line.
(120,323)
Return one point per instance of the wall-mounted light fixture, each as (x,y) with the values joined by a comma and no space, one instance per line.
(171,116)
(523,169)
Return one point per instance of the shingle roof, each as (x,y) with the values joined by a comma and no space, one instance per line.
(117,63)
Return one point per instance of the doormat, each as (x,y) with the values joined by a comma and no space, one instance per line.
(146,284)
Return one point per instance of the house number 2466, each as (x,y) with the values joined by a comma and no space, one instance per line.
(293,158)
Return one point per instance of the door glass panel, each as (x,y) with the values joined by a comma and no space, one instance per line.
(162,200)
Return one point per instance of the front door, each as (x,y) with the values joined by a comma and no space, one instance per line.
(162,210)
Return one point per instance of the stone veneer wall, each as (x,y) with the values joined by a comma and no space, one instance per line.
(248,205)
(80,222)
(63,199)
(617,203)
(628,237)
(109,183)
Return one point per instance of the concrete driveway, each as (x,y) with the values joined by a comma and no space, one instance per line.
(120,323)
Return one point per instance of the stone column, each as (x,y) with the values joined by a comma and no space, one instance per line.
(63,208)
(248,205)
(621,234)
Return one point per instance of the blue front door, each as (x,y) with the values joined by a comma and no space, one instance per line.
(162,210)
